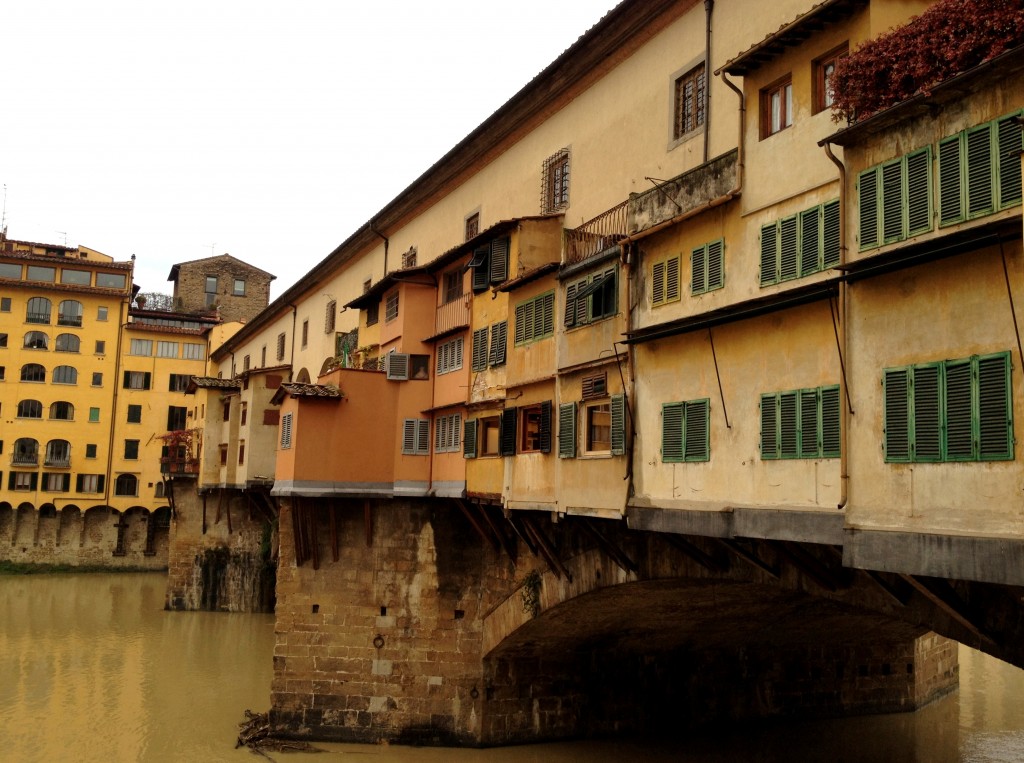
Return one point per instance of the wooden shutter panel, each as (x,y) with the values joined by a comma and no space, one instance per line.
(499,260)
(980,197)
(658,283)
(789,266)
(618,406)
(698,270)
(696,433)
(546,315)
(499,345)
(481,272)
(456,432)
(788,425)
(1009,139)
(959,421)
(66,482)
(951,201)
(101,483)
(34,484)
(995,412)
(809,423)
(10,480)
(521,310)
(769,254)
(892,201)
(919,192)
(672,432)
(927,414)
(469,439)
(716,250)
(830,426)
(567,430)
(810,240)
(408,436)
(422,436)
(831,223)
(769,427)
(570,305)
(79,481)
(457,358)
(440,433)
(545,427)
(480,349)
(672,279)
(507,433)
(867,201)
(896,391)
(127,379)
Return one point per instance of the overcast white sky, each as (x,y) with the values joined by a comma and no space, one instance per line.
(268,130)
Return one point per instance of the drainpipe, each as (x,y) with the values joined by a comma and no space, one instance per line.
(709,7)
(126,303)
(386,242)
(291,355)
(844,393)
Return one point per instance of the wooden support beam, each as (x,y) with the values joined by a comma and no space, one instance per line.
(548,550)
(542,550)
(484,535)
(707,561)
(368,522)
(333,511)
(519,531)
(220,504)
(809,565)
(508,547)
(314,541)
(899,591)
(751,557)
(616,554)
(948,602)
(227,509)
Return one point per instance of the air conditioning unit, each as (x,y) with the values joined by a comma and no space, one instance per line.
(396,366)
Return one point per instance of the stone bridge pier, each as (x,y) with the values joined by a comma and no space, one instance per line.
(446,622)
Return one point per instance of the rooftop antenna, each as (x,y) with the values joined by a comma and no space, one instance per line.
(3,218)
(65,234)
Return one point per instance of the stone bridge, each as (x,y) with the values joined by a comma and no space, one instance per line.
(453,622)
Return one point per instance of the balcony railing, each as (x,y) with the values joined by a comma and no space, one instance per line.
(452,315)
(25,459)
(36,317)
(179,466)
(69,320)
(59,462)
(594,236)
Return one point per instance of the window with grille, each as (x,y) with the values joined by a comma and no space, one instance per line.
(706,270)
(801,244)
(448,433)
(416,437)
(449,356)
(895,199)
(472,225)
(591,298)
(280,346)
(452,286)
(689,102)
(802,423)
(555,182)
(685,431)
(239,287)
(26,452)
(58,453)
(535,318)
(665,281)
(952,410)
(391,307)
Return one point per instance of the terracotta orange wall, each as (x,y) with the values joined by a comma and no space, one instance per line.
(453,387)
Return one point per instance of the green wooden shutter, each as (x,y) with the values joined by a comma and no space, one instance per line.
(958,419)
(951,198)
(867,202)
(499,259)
(672,279)
(507,432)
(696,431)
(769,427)
(788,425)
(716,271)
(830,426)
(892,201)
(927,414)
(546,315)
(499,340)
(567,430)
(481,272)
(769,255)
(1009,146)
(545,427)
(570,305)
(831,234)
(658,283)
(808,428)
(618,436)
(469,439)
(980,188)
(810,241)
(919,192)
(520,335)
(896,393)
(698,270)
(995,408)
(480,349)
(789,248)
(672,432)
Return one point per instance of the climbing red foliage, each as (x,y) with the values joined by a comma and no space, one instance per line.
(947,39)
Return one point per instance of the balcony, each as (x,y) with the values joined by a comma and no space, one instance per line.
(58,461)
(596,235)
(25,459)
(179,466)
(69,320)
(452,315)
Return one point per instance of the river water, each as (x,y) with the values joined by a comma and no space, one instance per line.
(93,669)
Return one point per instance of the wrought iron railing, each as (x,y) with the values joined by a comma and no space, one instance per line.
(25,459)
(60,462)
(596,235)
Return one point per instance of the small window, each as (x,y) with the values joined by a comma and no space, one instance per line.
(448,433)
(372,314)
(178,382)
(305,334)
(689,102)
(101,347)
(824,68)
(535,428)
(391,307)
(3,339)
(707,272)
(263,357)
(330,316)
(555,182)
(223,455)
(211,284)
(65,375)
(101,313)
(777,107)
(136,379)
(5,304)
(280,346)
(472,225)
(243,415)
(598,428)
(67,343)
(241,452)
(239,287)
(177,416)
(226,410)
(245,363)
(33,372)
(131,449)
(452,286)
(591,298)
(97,379)
(490,429)
(449,356)
(409,258)
(685,433)
(134,414)
(61,410)
(415,437)
(90,450)
(94,415)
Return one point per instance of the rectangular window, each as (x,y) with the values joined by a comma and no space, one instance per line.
(41,273)
(665,281)
(391,307)
(535,428)
(449,356)
(239,287)
(5,304)
(10,270)
(415,437)
(489,436)
(305,333)
(56,483)
(136,379)
(193,351)
(280,346)
(134,414)
(489,263)
(685,431)
(707,273)
(689,102)
(592,298)
(167,349)
(286,431)
(101,347)
(535,318)
(895,199)
(245,363)
(979,170)
(372,314)
(472,225)
(178,382)
(263,357)
(223,455)
(90,451)
(777,107)
(101,313)
(824,68)
(76,277)
(448,433)
(89,483)
(3,372)
(329,316)
(801,244)
(555,182)
(111,280)
(243,411)
(141,347)
(131,449)
(598,432)
(97,379)
(3,340)
(94,415)
(952,410)
(452,286)
(211,285)
(226,410)
(177,418)
(802,423)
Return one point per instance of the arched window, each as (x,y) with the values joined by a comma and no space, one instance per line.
(67,343)
(69,313)
(58,453)
(65,375)
(30,409)
(26,452)
(36,340)
(160,489)
(38,310)
(33,372)
(62,410)
(126,484)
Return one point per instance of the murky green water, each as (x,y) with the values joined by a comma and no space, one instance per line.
(93,669)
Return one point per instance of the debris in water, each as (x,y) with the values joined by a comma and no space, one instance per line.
(254,733)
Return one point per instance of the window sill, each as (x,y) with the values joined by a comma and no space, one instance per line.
(686,137)
(595,455)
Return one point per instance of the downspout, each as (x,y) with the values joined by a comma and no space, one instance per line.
(844,392)
(386,242)
(709,7)
(126,302)
(291,355)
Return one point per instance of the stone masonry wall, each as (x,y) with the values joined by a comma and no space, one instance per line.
(190,290)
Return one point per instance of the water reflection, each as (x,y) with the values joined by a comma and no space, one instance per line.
(92,669)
